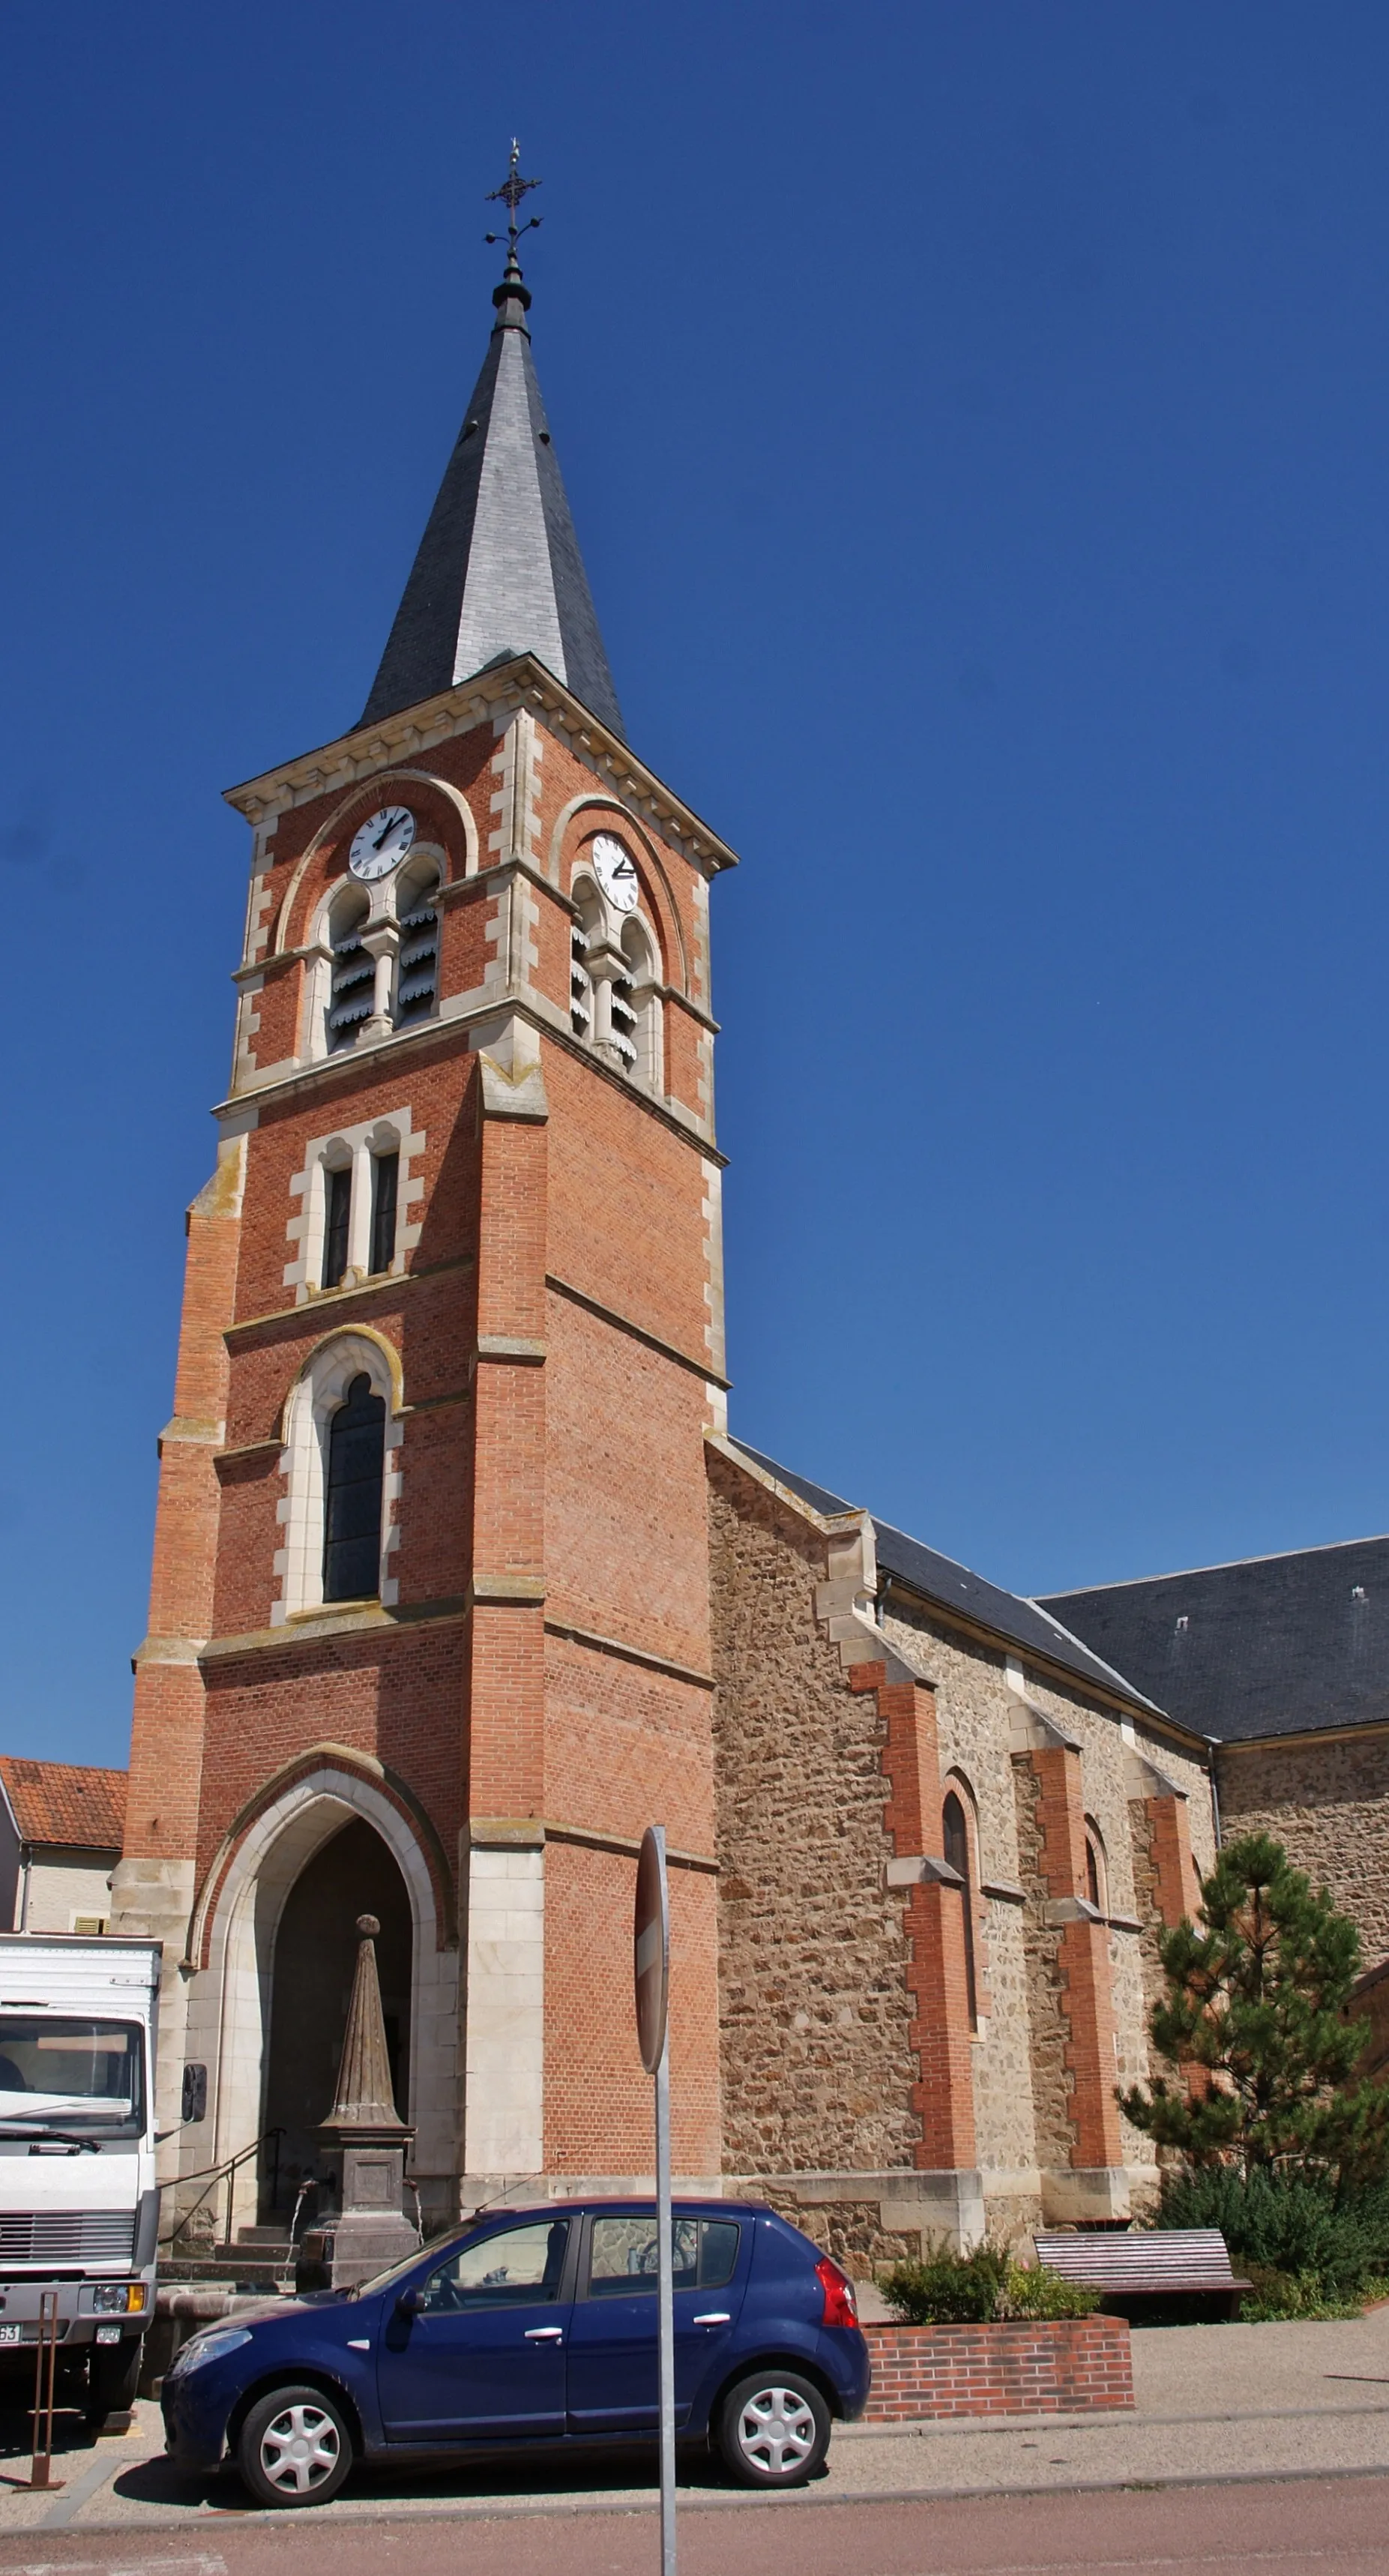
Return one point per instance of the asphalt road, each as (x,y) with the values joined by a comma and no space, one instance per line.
(1322,2525)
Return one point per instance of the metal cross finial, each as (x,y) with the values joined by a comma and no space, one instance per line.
(510,194)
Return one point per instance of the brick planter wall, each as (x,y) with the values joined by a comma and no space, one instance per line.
(1052,2368)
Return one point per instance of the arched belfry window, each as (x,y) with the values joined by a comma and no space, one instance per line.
(353,970)
(417,966)
(352,1512)
(955,1836)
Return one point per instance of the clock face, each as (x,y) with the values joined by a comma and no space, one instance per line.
(615,873)
(382,842)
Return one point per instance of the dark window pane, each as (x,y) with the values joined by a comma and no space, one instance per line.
(352,1521)
(622,2255)
(335,1229)
(1092,1875)
(718,2252)
(520,2269)
(385,1178)
(956,1837)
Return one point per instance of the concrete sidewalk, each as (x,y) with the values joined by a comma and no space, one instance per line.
(1214,2402)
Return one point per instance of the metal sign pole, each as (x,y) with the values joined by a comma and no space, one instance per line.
(651,1962)
(665,2289)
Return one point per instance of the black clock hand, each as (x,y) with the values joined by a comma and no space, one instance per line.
(385,835)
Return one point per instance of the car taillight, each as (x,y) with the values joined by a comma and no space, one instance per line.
(841,2307)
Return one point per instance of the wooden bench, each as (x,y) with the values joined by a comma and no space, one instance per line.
(1130,2265)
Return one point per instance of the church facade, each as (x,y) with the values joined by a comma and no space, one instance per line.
(461,1579)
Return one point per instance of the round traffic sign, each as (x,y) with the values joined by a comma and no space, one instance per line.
(651,1947)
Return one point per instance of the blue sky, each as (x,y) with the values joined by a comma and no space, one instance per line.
(977,423)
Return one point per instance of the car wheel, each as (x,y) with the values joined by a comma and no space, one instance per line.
(294,2448)
(774,2429)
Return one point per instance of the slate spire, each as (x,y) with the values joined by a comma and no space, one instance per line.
(499,569)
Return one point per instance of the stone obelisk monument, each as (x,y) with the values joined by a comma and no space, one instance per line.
(372,2230)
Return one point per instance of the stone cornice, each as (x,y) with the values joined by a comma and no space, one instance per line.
(331,1301)
(243,1105)
(491,695)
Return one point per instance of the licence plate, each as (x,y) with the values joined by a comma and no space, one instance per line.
(11,2334)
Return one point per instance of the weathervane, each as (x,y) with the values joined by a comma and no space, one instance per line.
(510,194)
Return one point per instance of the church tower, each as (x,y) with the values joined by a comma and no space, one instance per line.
(429,1620)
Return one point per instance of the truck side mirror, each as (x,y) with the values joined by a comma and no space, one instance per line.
(194,2093)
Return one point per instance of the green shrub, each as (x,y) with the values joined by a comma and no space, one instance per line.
(984,2287)
(1301,2294)
(1033,2292)
(1288,2224)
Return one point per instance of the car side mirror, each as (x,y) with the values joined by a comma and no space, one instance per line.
(410,2303)
(194,2093)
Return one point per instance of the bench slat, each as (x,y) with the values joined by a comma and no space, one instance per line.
(1176,2258)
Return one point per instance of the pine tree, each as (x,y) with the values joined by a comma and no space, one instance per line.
(1256,2000)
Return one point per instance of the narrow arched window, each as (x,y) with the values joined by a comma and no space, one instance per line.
(1096,1873)
(955,1834)
(352,1514)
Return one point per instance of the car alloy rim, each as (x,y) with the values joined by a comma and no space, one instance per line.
(776,2430)
(300,2449)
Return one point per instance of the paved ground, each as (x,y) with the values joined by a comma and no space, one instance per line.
(1215,2403)
(1325,2527)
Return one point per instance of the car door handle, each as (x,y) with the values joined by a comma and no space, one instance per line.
(717,2317)
(544,2334)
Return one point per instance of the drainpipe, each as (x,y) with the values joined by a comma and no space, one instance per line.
(26,1861)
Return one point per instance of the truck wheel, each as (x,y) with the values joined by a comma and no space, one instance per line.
(774,2429)
(113,2377)
(294,2448)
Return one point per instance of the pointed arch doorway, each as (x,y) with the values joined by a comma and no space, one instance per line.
(315,1956)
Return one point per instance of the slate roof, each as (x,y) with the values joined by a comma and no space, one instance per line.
(65,1803)
(498,571)
(1273,1645)
(1013,1620)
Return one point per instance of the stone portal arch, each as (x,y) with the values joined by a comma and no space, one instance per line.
(230,2003)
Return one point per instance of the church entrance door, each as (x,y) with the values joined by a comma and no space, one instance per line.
(315,1956)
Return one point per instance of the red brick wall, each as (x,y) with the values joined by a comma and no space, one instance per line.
(598,2097)
(1056,2367)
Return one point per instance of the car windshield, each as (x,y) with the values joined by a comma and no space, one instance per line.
(72,2073)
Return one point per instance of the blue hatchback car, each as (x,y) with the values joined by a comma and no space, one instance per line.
(534,2326)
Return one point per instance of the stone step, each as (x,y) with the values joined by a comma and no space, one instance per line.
(232,2267)
(277,2238)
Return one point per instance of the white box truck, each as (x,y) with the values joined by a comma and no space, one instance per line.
(79,2206)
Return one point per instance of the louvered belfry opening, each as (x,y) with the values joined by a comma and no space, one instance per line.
(417,967)
(580,983)
(354,978)
(352,1519)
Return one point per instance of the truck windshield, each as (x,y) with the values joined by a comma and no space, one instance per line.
(70,2073)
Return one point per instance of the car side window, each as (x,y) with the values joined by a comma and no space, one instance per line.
(519,2268)
(623,2254)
